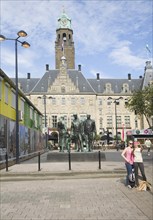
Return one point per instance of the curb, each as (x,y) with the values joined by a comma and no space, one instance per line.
(61,175)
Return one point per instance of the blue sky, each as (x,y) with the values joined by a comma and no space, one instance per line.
(110,37)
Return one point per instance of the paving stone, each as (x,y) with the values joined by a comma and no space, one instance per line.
(74,199)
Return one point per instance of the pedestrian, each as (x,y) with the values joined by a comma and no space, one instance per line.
(138,162)
(148,145)
(127,154)
(122,145)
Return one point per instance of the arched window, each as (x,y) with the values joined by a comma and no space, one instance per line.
(63,89)
(64,36)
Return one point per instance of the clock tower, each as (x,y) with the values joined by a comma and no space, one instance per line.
(64,45)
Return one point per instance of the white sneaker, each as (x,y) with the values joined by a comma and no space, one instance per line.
(148,154)
(129,187)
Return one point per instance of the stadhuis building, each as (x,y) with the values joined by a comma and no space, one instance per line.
(65,91)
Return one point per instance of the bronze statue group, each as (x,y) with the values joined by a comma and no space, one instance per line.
(82,134)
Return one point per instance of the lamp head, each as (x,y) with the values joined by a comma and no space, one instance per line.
(109,98)
(22,33)
(25,44)
(2,38)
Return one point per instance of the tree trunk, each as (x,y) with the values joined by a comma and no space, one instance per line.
(148,121)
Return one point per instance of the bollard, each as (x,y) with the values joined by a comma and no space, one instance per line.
(6,157)
(69,160)
(39,161)
(99,154)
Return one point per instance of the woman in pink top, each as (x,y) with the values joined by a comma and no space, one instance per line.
(127,154)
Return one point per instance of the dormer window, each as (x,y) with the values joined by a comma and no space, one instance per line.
(125,88)
(108,88)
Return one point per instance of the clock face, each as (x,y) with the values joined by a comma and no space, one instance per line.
(64,22)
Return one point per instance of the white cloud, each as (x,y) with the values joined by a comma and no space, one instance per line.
(123,57)
(24,58)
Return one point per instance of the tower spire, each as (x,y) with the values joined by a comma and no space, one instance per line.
(64,45)
(63,9)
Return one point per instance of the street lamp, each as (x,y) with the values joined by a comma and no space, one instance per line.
(116,101)
(44,97)
(26,45)
(152,115)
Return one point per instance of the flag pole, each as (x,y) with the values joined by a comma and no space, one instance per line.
(63,42)
(148,51)
(63,47)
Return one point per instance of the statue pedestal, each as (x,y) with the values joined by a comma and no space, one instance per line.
(75,156)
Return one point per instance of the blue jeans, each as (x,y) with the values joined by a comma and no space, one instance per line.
(129,168)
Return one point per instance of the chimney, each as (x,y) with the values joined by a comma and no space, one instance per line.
(47,67)
(79,67)
(28,75)
(140,77)
(129,76)
(98,78)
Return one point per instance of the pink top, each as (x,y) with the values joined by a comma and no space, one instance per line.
(129,156)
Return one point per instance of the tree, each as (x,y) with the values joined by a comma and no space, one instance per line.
(141,102)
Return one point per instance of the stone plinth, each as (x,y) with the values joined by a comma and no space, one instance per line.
(75,156)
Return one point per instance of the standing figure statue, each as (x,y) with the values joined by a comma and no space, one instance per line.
(62,134)
(76,133)
(90,132)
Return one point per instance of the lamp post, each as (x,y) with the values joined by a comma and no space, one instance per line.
(152,115)
(44,97)
(26,45)
(115,101)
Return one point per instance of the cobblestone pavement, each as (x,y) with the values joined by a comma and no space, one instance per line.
(70,199)
(94,198)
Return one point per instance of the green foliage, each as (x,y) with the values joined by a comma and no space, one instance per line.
(148,98)
(118,137)
(141,102)
(97,137)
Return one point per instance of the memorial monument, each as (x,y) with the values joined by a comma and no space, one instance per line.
(82,134)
